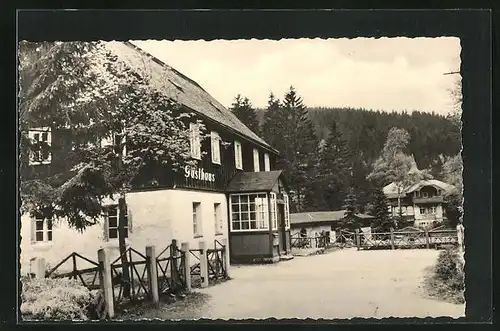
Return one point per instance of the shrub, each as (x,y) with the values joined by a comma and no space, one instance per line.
(54,299)
(447,279)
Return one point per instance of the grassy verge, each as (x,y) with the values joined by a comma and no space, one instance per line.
(445,280)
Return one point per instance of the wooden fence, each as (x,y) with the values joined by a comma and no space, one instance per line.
(149,275)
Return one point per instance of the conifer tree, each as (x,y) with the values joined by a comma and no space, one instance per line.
(245,112)
(350,221)
(380,210)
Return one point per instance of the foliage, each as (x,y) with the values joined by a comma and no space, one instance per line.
(452,174)
(83,91)
(54,299)
(289,130)
(447,279)
(245,112)
(350,220)
(380,211)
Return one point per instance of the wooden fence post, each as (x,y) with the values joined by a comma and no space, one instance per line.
(173,265)
(226,255)
(203,264)
(187,264)
(106,282)
(152,275)
(39,267)
(392,238)
(427,239)
(358,239)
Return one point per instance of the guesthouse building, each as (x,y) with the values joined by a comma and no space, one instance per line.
(232,192)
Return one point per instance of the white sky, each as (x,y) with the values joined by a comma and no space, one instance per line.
(386,74)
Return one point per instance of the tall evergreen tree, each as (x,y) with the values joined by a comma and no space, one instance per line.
(380,211)
(350,220)
(245,112)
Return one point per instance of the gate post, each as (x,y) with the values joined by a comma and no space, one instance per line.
(225,255)
(358,239)
(392,238)
(173,265)
(39,266)
(106,282)
(427,239)
(152,275)
(203,264)
(187,264)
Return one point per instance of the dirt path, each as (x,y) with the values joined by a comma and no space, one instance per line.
(341,284)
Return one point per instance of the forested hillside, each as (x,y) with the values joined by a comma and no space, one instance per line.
(366,131)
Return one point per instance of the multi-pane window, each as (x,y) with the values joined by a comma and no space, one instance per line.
(215,138)
(287,211)
(197,219)
(43,230)
(118,141)
(41,140)
(256,162)
(217,219)
(274,214)
(422,210)
(113,219)
(195,140)
(238,155)
(249,212)
(267,164)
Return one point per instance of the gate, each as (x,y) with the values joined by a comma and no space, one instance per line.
(170,270)
(137,284)
(344,239)
(216,262)
(195,269)
(89,277)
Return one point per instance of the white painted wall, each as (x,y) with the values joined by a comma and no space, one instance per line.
(157,218)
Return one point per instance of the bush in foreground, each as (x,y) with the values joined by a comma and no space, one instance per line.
(447,279)
(54,299)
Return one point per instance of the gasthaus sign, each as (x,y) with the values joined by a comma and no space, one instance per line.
(198,173)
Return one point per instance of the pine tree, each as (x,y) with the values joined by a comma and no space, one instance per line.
(380,211)
(245,112)
(350,221)
(334,169)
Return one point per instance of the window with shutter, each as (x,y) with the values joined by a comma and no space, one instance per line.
(41,140)
(194,141)
(215,147)
(217,219)
(267,164)
(41,230)
(238,155)
(112,221)
(256,161)
(274,218)
(287,211)
(197,226)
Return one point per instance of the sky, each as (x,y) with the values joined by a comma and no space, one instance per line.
(380,74)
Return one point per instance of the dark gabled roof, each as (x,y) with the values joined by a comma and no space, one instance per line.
(253,181)
(322,216)
(182,89)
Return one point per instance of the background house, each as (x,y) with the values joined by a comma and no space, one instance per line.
(422,203)
(190,205)
(310,224)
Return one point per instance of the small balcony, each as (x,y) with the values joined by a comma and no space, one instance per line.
(433,200)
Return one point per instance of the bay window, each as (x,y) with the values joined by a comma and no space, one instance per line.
(249,212)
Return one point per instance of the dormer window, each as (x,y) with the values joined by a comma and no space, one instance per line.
(256,161)
(195,141)
(267,164)
(215,147)
(238,161)
(41,139)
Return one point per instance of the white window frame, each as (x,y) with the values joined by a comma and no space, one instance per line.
(424,209)
(261,211)
(267,163)
(274,210)
(215,140)
(47,230)
(109,228)
(238,155)
(218,223)
(112,141)
(32,136)
(195,140)
(432,210)
(197,223)
(256,160)
(287,211)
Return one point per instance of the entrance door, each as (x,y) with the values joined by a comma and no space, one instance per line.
(281,228)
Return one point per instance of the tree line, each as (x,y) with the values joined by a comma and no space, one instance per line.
(340,158)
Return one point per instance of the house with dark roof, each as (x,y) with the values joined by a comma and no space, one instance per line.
(312,224)
(234,193)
